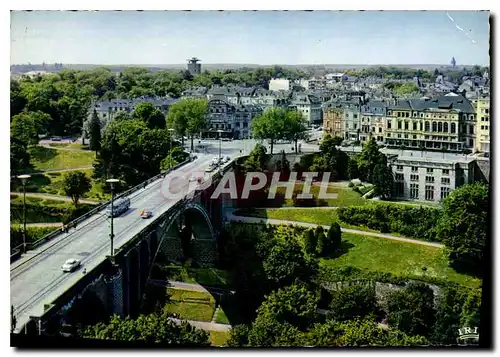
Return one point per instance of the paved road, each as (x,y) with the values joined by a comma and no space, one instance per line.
(37,279)
(48,196)
(234,218)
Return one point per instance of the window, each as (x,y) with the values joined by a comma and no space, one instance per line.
(400,124)
(406,125)
(400,177)
(399,167)
(445,180)
(388,124)
(421,126)
(453,128)
(414,169)
(388,135)
(414,136)
(355,116)
(427,126)
(413,177)
(471,129)
(440,127)
(445,191)
(446,172)
(400,189)
(430,171)
(434,126)
(379,130)
(414,126)
(482,127)
(429,179)
(421,115)
(413,190)
(429,193)
(445,127)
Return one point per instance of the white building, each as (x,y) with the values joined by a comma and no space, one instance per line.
(430,176)
(277,84)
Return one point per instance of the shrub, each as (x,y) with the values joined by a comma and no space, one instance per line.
(350,184)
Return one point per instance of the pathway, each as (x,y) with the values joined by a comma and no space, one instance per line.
(232,217)
(48,196)
(59,170)
(63,148)
(204,325)
(47,224)
(187,286)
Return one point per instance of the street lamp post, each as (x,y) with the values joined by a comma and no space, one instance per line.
(220,141)
(111,235)
(23,179)
(170,153)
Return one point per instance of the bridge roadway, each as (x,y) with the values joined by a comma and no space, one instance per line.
(37,278)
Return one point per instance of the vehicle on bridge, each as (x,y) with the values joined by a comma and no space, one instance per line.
(70,265)
(146,214)
(209,169)
(120,206)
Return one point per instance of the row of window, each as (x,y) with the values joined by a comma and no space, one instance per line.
(437,116)
(428,170)
(429,192)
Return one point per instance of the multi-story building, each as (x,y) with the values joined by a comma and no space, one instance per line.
(372,121)
(333,117)
(232,119)
(430,176)
(446,122)
(276,84)
(483,125)
(309,106)
(313,84)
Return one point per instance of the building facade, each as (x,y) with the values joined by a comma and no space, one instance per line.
(309,106)
(193,66)
(483,125)
(333,118)
(430,178)
(277,84)
(233,120)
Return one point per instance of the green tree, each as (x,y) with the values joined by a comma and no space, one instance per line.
(238,336)
(188,117)
(174,157)
(463,226)
(411,309)
(383,180)
(152,116)
(270,125)
(295,127)
(26,126)
(334,237)
(368,158)
(75,185)
(19,156)
(353,301)
(310,241)
(95,132)
(352,169)
(257,159)
(17,100)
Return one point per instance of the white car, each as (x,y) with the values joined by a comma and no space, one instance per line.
(70,265)
(146,214)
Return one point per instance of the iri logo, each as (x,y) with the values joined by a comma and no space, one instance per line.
(468,335)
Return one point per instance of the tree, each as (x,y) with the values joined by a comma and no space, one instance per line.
(270,125)
(153,328)
(463,226)
(286,263)
(411,309)
(75,185)
(152,117)
(188,116)
(26,126)
(334,236)
(283,164)
(95,132)
(353,301)
(295,127)
(368,158)
(238,336)
(332,159)
(19,156)
(383,181)
(310,241)
(257,159)
(352,169)
(174,157)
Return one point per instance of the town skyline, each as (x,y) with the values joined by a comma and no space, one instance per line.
(282,38)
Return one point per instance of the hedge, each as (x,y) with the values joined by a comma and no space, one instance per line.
(412,222)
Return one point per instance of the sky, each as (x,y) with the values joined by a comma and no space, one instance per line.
(251,37)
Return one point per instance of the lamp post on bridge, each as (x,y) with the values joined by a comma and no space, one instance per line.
(220,141)
(23,179)
(112,181)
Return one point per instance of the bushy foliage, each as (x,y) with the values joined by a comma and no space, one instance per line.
(353,301)
(412,222)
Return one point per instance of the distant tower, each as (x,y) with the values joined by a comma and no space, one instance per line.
(193,66)
(453,62)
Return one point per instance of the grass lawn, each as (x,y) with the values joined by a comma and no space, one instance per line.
(221,317)
(191,305)
(218,338)
(203,276)
(395,257)
(52,183)
(43,158)
(345,196)
(70,146)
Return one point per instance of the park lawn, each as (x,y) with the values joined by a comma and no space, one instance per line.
(52,183)
(43,158)
(345,196)
(218,338)
(221,317)
(190,305)
(203,276)
(70,146)
(398,258)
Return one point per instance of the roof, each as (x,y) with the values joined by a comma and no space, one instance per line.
(448,101)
